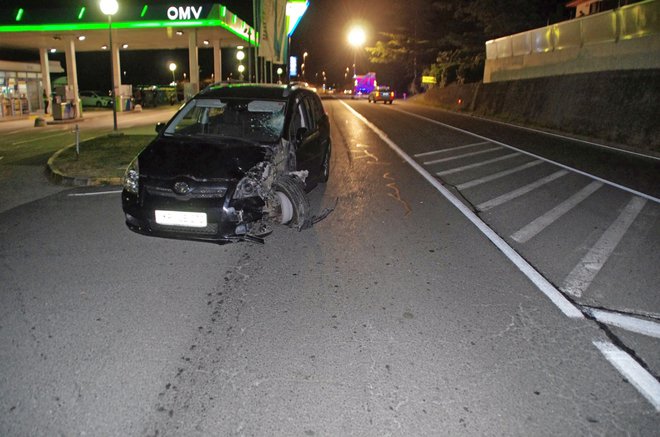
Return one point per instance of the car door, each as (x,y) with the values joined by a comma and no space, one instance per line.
(304,133)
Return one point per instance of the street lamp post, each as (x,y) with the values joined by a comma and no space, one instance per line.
(110,8)
(172,67)
(304,64)
(240,55)
(356,37)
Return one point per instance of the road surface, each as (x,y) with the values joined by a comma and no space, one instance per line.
(402,313)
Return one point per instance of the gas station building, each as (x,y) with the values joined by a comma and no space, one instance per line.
(145,26)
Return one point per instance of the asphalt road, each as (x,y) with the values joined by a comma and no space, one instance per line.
(395,315)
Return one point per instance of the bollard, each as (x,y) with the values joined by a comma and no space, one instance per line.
(77,132)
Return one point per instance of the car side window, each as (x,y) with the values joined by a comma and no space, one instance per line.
(298,120)
(318,108)
(309,109)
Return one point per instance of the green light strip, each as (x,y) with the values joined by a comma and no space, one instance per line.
(19,15)
(144,11)
(81,13)
(223,11)
(61,27)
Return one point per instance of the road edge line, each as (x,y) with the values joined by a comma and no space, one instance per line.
(640,378)
(552,293)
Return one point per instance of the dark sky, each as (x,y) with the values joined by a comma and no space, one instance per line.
(322,33)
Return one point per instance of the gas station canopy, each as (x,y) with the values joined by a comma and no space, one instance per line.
(134,26)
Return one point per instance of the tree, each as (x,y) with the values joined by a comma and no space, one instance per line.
(446,38)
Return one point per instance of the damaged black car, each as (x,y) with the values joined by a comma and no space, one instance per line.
(233,162)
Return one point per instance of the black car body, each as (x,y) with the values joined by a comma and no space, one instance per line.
(231,162)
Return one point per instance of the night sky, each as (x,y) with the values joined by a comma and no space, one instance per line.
(322,33)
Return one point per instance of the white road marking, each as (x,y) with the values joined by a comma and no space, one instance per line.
(642,380)
(478,164)
(465,155)
(96,193)
(577,282)
(629,323)
(589,175)
(564,137)
(40,139)
(532,229)
(498,175)
(452,149)
(639,377)
(485,206)
(1,157)
(563,304)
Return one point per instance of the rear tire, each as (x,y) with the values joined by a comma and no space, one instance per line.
(325,166)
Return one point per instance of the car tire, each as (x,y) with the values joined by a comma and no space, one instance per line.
(98,103)
(325,165)
(294,205)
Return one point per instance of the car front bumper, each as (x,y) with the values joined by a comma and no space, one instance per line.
(226,221)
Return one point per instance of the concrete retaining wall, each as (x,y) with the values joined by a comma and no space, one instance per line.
(618,107)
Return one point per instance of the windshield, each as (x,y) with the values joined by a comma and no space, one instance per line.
(253,120)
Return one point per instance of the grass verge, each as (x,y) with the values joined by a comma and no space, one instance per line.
(102,157)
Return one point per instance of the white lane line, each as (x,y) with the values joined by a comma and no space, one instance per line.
(478,164)
(584,173)
(498,175)
(451,149)
(492,203)
(96,193)
(577,282)
(629,323)
(532,229)
(465,155)
(39,139)
(564,137)
(563,304)
(639,377)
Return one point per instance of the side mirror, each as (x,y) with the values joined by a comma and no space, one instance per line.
(300,134)
(160,127)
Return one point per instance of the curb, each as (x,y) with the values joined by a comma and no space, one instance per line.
(59,178)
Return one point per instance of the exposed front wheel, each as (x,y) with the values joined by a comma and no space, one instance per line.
(293,209)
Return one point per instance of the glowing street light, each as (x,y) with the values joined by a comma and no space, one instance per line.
(356,38)
(172,68)
(279,74)
(304,64)
(241,69)
(110,8)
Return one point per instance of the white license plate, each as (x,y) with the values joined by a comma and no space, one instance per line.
(181,218)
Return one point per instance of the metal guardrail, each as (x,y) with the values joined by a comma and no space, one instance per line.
(628,22)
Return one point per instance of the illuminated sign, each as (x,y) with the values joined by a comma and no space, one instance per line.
(293,66)
(428,79)
(183,13)
(295,9)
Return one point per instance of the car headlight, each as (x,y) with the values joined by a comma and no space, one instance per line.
(131,179)
(246,187)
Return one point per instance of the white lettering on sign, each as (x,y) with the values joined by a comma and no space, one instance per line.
(183,13)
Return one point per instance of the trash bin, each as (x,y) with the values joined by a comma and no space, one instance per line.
(63,111)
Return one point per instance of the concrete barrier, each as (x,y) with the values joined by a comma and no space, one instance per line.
(618,107)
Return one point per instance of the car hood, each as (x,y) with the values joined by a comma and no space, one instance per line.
(223,158)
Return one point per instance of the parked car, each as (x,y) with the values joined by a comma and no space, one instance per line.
(93,98)
(231,163)
(381,94)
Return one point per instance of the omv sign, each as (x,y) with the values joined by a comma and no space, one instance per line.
(184,12)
